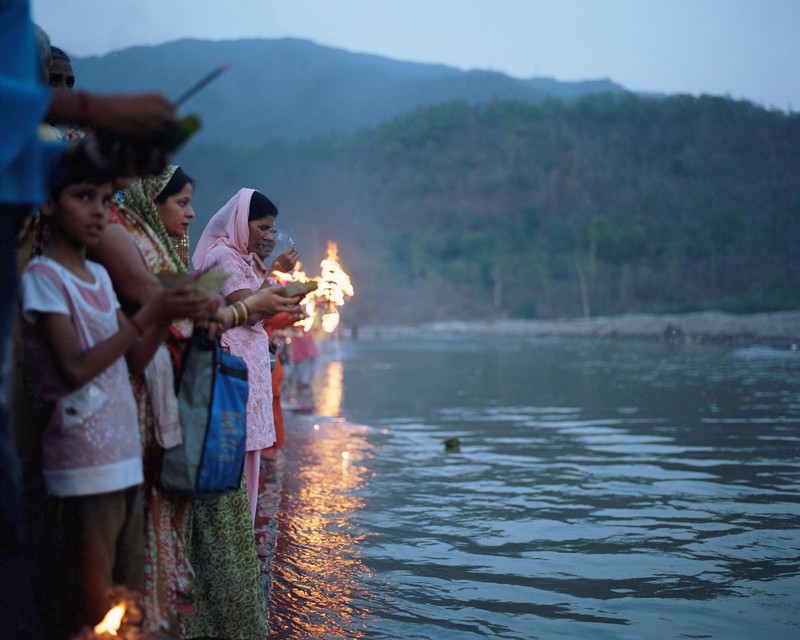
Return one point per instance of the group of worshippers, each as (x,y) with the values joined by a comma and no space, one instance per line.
(101,333)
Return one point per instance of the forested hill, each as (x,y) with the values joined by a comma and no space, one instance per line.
(604,205)
(292,89)
(458,194)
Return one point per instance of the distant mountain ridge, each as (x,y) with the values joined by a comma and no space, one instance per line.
(291,89)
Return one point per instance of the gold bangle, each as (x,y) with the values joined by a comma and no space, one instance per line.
(241,309)
(235,311)
(245,311)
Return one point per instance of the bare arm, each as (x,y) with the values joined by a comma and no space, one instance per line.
(118,253)
(144,117)
(79,366)
(265,303)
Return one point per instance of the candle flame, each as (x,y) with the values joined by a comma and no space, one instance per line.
(112,620)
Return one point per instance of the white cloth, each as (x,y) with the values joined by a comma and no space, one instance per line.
(160,380)
(91,443)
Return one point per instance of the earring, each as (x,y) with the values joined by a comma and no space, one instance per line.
(183,248)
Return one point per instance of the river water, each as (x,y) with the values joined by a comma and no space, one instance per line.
(590,489)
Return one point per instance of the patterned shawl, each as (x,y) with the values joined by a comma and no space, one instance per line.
(140,198)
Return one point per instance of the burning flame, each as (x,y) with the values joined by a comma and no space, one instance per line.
(330,319)
(334,287)
(334,283)
(112,621)
(309,302)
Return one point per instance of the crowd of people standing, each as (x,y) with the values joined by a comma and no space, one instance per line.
(101,333)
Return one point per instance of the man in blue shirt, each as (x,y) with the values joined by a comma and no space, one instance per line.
(28,167)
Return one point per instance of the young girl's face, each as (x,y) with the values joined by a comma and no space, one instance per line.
(81,212)
(177,212)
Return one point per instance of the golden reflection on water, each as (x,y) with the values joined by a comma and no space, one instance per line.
(318,574)
(329,389)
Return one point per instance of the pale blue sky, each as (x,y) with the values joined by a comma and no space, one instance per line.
(739,48)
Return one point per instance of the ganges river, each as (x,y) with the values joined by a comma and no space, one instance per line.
(588,489)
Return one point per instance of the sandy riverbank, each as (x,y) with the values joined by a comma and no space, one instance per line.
(780,329)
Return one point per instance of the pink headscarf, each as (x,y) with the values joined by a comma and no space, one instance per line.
(228,227)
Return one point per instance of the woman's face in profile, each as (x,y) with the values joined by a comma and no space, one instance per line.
(262,236)
(177,212)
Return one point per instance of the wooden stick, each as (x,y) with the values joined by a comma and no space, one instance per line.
(201,83)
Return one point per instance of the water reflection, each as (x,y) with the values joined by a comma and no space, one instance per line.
(328,389)
(319,571)
(598,492)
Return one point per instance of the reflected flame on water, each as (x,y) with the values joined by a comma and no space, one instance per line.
(330,390)
(318,574)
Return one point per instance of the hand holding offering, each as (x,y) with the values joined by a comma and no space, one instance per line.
(208,283)
(272,300)
(298,289)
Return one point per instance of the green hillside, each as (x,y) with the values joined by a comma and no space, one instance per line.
(604,205)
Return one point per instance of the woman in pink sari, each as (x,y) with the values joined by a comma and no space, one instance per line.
(228,242)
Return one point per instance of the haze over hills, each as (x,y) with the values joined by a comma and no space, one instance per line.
(458,194)
(291,89)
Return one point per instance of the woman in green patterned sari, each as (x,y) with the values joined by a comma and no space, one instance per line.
(202,573)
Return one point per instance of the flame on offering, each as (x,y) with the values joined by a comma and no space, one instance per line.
(307,323)
(309,303)
(334,288)
(330,318)
(283,277)
(334,283)
(111,622)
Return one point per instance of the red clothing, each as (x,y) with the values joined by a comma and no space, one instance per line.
(303,346)
(278,321)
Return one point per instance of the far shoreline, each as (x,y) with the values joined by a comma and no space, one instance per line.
(779,329)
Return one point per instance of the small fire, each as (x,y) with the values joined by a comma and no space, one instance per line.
(330,318)
(309,302)
(334,283)
(111,622)
(282,277)
(334,288)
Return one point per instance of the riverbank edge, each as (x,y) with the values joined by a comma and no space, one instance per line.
(779,329)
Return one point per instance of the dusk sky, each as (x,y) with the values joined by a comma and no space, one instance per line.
(746,49)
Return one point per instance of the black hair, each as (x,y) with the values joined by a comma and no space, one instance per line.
(177,182)
(261,207)
(58,54)
(76,166)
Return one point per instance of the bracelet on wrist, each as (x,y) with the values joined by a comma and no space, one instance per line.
(241,312)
